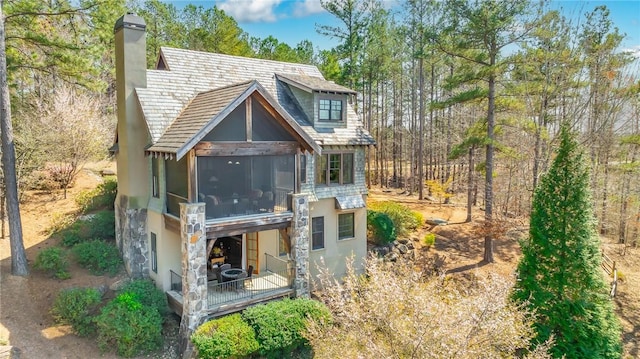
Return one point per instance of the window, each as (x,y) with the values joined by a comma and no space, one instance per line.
(317,233)
(154,253)
(334,168)
(346,226)
(330,110)
(154,178)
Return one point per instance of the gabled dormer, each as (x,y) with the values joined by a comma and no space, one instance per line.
(324,102)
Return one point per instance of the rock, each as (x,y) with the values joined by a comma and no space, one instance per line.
(402,248)
(391,257)
(403,241)
(410,245)
(436,221)
(119,284)
(107,172)
(102,289)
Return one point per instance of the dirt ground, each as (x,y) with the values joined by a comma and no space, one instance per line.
(26,324)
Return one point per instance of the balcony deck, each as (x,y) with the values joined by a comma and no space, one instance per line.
(233,296)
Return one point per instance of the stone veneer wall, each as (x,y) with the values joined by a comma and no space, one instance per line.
(194,272)
(300,243)
(131,237)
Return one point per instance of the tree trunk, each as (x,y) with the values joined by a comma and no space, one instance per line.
(18,256)
(488,189)
(421,131)
(470,186)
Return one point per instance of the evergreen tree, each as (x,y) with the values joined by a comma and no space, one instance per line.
(559,273)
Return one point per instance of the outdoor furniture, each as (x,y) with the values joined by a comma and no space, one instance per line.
(234,274)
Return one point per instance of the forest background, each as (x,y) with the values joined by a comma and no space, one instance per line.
(463,98)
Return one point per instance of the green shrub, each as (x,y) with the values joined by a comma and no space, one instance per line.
(279,326)
(429,239)
(404,219)
(147,294)
(129,327)
(99,257)
(72,235)
(59,221)
(54,261)
(226,337)
(102,197)
(102,225)
(380,227)
(74,307)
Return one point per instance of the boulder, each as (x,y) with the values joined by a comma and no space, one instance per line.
(436,221)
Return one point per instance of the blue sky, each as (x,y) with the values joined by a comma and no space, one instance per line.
(292,21)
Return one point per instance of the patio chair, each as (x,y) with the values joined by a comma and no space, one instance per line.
(249,275)
(240,280)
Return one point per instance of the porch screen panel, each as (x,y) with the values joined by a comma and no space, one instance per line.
(177,188)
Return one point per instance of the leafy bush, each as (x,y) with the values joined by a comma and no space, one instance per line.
(74,307)
(429,239)
(59,221)
(129,326)
(404,219)
(54,261)
(147,294)
(102,197)
(380,227)
(98,257)
(100,225)
(280,325)
(226,337)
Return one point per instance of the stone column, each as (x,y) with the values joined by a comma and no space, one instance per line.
(194,272)
(300,243)
(131,237)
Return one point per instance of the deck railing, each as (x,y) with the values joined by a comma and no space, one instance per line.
(276,277)
(176,282)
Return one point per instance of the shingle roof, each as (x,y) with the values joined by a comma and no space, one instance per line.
(313,83)
(208,109)
(189,73)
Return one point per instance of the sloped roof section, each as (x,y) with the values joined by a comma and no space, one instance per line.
(208,109)
(313,83)
(188,73)
(198,113)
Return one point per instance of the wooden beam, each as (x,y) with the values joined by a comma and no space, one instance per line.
(244,225)
(192,181)
(241,148)
(249,120)
(171,223)
(287,240)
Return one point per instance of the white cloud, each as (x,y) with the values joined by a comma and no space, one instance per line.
(307,7)
(633,51)
(251,10)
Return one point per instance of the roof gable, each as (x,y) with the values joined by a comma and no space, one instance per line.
(208,109)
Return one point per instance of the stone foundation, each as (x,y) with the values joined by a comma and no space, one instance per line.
(300,243)
(131,237)
(194,272)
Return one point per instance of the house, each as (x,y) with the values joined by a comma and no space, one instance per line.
(221,158)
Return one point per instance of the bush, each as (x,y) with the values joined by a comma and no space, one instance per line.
(429,239)
(102,197)
(74,307)
(147,294)
(54,261)
(380,227)
(101,225)
(403,218)
(129,327)
(226,337)
(98,257)
(280,325)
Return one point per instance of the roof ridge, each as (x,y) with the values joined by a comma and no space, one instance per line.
(243,58)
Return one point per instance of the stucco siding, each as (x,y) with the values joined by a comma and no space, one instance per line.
(335,252)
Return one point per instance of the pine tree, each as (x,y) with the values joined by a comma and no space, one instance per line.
(559,273)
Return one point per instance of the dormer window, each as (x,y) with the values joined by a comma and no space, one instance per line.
(330,110)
